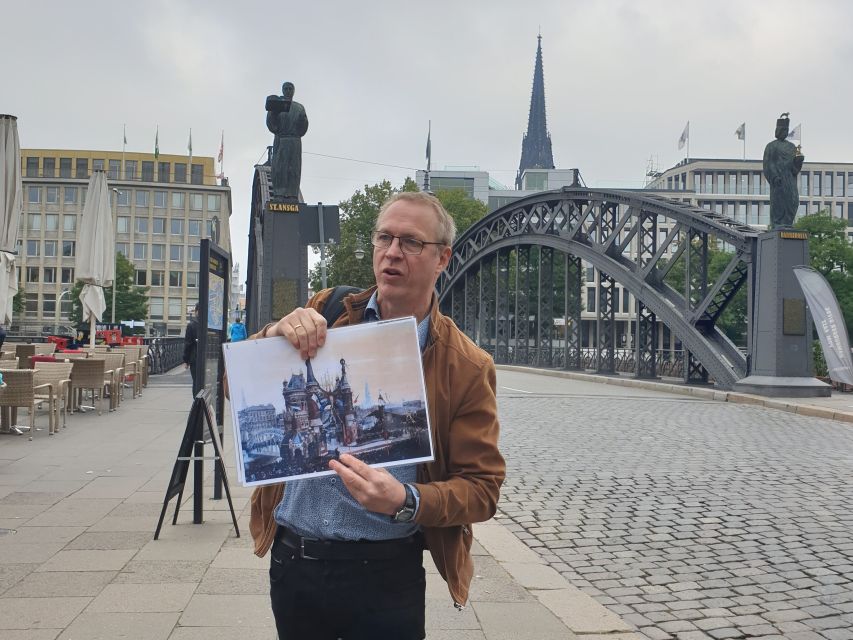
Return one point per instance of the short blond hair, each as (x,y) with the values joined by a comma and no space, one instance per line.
(446,224)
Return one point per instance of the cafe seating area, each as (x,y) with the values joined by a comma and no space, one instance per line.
(50,383)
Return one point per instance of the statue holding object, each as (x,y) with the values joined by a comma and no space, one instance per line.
(782,162)
(288,121)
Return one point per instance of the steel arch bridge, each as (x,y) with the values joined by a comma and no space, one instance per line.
(524,261)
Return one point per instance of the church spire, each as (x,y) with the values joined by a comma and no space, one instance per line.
(536,144)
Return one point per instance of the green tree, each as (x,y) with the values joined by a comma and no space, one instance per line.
(831,254)
(464,209)
(19,301)
(131,300)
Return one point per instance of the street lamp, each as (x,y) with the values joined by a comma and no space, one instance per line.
(115,256)
(59,309)
(321,248)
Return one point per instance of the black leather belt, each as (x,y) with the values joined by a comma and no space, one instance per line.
(315,549)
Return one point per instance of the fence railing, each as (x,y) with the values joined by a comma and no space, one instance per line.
(164,354)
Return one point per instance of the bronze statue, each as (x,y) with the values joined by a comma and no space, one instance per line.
(782,163)
(287,120)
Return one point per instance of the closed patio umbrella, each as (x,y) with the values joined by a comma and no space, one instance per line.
(10,212)
(95,258)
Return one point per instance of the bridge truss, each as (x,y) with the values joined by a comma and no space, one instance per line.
(525,261)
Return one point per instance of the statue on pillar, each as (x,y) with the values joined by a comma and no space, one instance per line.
(782,162)
(287,120)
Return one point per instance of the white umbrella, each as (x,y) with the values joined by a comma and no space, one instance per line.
(95,261)
(10,212)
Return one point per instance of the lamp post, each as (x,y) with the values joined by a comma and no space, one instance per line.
(115,256)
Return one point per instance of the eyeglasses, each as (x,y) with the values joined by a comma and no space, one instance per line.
(411,246)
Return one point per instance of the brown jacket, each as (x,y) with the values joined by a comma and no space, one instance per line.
(462,484)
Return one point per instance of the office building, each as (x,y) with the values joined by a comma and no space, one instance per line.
(162,208)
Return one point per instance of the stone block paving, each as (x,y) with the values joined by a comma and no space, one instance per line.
(689,519)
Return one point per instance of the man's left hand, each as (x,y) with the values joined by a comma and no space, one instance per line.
(374,489)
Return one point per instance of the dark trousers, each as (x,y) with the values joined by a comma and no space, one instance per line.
(347,599)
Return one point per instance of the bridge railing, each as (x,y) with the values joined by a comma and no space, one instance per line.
(164,354)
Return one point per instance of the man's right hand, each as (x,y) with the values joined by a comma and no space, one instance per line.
(304,328)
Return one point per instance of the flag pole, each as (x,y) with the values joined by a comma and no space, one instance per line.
(121,173)
(744,143)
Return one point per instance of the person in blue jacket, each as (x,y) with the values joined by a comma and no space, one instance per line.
(238,331)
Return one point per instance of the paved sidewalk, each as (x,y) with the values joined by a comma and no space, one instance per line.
(78,560)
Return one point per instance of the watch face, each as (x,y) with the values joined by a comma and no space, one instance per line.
(404,515)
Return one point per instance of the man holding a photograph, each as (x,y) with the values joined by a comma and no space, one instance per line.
(365,528)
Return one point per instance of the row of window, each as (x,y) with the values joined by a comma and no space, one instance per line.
(156,306)
(591,297)
(141,198)
(157,278)
(141,250)
(157,226)
(133,169)
(69,248)
(811,183)
(759,212)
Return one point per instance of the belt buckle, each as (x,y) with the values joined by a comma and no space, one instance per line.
(302,553)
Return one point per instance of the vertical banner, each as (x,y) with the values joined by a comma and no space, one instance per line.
(829,322)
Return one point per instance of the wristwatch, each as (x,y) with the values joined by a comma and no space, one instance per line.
(407,511)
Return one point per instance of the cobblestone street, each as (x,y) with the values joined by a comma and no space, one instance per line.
(688,518)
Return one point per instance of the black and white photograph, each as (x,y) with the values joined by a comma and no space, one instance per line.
(363,394)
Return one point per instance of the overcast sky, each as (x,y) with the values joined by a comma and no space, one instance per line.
(621,80)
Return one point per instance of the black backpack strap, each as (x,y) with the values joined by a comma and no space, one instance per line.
(334,306)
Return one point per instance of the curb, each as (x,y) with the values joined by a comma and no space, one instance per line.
(696,392)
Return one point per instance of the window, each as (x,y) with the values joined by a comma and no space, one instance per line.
(839,185)
(69,223)
(147,171)
(177,227)
(163,171)
(65,167)
(48,167)
(51,222)
(69,248)
(32,167)
(195,253)
(827,184)
(159,199)
(192,279)
(176,253)
(122,224)
(50,248)
(31,304)
(212,202)
(32,274)
(176,278)
(50,275)
(123,248)
(159,226)
(97,165)
(115,169)
(616,292)
(158,251)
(157,278)
(590,299)
(839,210)
(197,174)
(140,250)
(141,277)
(194,227)
(175,307)
(48,304)
(142,225)
(130,170)
(626,298)
(721,186)
(65,307)
(34,222)
(70,195)
(816,184)
(67,275)
(743,186)
(123,198)
(180,172)
(155,308)
(33,195)
(142,199)
(82,168)
(756,183)
(804,184)
(178,200)
(52,195)
(196,201)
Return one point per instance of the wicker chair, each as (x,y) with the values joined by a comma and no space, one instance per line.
(8,355)
(113,376)
(23,353)
(18,392)
(45,348)
(133,366)
(87,373)
(51,381)
(75,355)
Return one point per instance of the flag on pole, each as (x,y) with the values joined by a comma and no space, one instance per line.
(190,143)
(740,132)
(157,143)
(125,135)
(221,148)
(796,133)
(685,136)
(429,145)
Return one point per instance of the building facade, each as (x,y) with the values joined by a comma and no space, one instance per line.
(162,209)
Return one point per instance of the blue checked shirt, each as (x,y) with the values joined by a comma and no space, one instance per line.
(323,508)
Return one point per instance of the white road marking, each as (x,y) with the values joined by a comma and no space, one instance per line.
(519,390)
